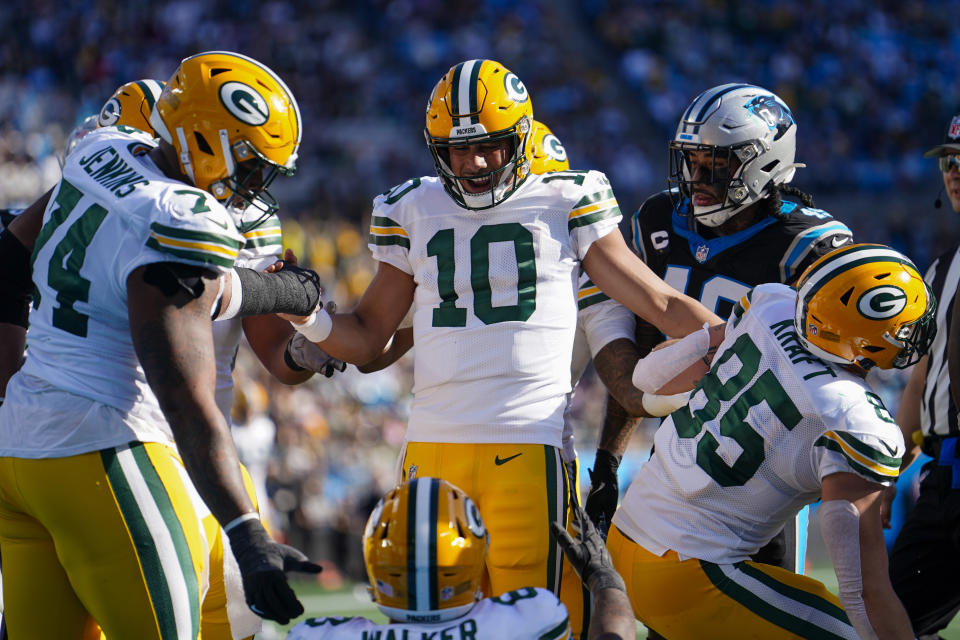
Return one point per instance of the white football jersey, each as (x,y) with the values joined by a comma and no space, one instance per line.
(112,212)
(762,430)
(525,614)
(262,247)
(600,321)
(495,308)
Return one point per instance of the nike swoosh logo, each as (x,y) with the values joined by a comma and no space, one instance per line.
(839,240)
(222,225)
(599,488)
(499,461)
(891,451)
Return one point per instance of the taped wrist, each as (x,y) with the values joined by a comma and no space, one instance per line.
(663,365)
(606,578)
(16,285)
(658,406)
(840,526)
(293,290)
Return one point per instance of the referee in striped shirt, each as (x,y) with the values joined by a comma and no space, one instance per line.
(925,559)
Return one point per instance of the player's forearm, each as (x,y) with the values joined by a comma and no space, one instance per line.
(13,338)
(401,343)
(614,618)
(614,364)
(618,427)
(174,343)
(887,616)
(268,337)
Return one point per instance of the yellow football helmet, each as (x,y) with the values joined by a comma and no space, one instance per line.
(131,105)
(480,101)
(235,126)
(547,153)
(425,547)
(865,304)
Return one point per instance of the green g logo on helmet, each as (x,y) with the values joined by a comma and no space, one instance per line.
(880,303)
(244,103)
(554,148)
(516,90)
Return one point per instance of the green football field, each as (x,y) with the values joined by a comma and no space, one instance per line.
(353,601)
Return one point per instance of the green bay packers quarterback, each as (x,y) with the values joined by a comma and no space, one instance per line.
(782,418)
(489,254)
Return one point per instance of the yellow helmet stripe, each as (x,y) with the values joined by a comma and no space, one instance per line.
(847,260)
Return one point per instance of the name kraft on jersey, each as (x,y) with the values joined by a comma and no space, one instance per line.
(466,630)
(112,172)
(786,335)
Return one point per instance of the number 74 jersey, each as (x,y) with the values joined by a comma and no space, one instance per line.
(495,306)
(761,431)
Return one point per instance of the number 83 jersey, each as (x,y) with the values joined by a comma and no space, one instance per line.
(495,305)
(766,424)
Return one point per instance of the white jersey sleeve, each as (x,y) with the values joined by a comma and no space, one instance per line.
(603,320)
(595,213)
(388,240)
(524,614)
(861,437)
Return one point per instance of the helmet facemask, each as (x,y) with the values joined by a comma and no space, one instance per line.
(914,338)
(725,183)
(504,180)
(245,189)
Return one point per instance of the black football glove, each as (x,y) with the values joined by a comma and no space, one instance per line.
(262,565)
(604,490)
(588,554)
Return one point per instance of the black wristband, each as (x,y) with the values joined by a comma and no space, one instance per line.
(293,290)
(16,285)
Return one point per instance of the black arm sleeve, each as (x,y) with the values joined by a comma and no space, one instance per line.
(293,290)
(16,285)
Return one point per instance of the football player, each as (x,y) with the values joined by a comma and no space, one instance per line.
(111,427)
(782,418)
(604,333)
(489,254)
(722,228)
(425,546)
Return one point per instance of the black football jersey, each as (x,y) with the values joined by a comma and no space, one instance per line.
(719,271)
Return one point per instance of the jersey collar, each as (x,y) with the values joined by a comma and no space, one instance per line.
(703,249)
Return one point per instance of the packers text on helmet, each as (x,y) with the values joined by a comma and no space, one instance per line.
(865,304)
(480,102)
(234,124)
(425,549)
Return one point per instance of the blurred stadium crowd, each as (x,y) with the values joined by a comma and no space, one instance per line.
(870,89)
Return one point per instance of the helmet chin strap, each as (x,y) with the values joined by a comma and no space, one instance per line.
(185,156)
(712,216)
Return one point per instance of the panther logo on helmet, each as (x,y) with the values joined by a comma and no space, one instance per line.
(774,113)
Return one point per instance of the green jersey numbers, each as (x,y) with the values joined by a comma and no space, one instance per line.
(63,272)
(441,246)
(766,388)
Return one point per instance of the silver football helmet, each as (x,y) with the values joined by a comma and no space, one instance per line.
(753,134)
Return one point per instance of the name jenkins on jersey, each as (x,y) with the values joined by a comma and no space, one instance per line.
(719,271)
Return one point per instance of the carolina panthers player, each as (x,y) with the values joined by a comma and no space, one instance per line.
(604,333)
(782,418)
(489,255)
(425,545)
(722,228)
(108,453)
